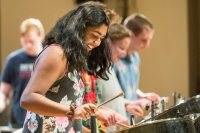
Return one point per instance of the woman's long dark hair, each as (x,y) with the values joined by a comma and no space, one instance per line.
(69,32)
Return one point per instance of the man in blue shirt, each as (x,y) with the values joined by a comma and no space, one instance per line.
(127,69)
(18,67)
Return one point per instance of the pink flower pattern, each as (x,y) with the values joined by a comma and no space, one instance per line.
(33,125)
(27,115)
(79,87)
(71,130)
(62,121)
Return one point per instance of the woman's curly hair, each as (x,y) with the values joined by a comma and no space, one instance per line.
(69,32)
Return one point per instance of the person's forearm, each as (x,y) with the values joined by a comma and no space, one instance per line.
(39,104)
(2,101)
(6,89)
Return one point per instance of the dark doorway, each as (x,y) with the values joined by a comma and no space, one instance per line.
(194,46)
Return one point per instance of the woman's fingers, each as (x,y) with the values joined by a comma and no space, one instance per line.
(135,109)
(113,118)
(93,108)
(138,110)
(87,111)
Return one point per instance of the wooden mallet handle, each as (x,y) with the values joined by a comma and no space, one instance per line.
(119,95)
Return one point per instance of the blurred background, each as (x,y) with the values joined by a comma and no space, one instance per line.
(170,64)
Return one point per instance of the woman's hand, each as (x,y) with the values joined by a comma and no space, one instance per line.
(85,111)
(121,119)
(106,116)
(153,97)
(135,109)
(143,102)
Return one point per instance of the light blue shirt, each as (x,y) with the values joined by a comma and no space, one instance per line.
(128,74)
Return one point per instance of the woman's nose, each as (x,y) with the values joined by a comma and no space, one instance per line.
(97,42)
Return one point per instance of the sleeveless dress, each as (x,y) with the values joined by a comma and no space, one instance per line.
(69,89)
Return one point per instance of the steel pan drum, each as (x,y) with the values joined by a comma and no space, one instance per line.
(173,125)
(197,125)
(191,106)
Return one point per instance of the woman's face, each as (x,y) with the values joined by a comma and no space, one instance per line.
(94,36)
(119,48)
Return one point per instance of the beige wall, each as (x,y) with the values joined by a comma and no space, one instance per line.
(13,12)
(165,64)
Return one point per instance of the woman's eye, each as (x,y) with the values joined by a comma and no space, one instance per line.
(95,37)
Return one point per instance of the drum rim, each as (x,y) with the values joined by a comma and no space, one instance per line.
(156,121)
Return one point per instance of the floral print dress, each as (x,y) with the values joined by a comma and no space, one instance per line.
(69,89)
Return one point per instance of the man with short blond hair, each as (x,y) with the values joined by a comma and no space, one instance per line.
(18,67)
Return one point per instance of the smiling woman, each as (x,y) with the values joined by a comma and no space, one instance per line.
(94,36)
(55,91)
(119,40)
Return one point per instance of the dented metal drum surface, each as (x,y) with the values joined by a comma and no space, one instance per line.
(173,125)
(197,125)
(191,106)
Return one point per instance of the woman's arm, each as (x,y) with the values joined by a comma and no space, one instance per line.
(51,66)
